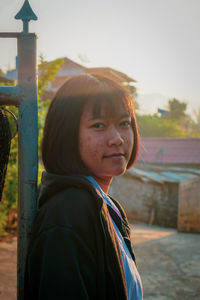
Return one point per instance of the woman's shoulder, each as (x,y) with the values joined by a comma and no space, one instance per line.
(70,197)
(72,207)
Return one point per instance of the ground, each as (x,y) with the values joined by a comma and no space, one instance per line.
(168,262)
(8,269)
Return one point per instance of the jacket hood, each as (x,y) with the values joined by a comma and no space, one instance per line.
(53,183)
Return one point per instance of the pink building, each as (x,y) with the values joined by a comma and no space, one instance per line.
(176,151)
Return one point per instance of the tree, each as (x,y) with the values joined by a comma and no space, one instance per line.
(195,124)
(9,198)
(155,126)
(2,73)
(197,118)
(177,109)
(47,73)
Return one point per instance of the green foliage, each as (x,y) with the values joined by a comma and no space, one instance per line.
(40,170)
(9,83)
(177,109)
(196,124)
(2,73)
(177,114)
(191,126)
(9,198)
(155,126)
(3,218)
(47,73)
(42,111)
(159,126)
(10,189)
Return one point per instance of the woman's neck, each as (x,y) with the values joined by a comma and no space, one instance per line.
(104,183)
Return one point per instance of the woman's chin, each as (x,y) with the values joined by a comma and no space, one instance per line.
(118,172)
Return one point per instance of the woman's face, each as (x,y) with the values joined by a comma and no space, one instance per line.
(105,143)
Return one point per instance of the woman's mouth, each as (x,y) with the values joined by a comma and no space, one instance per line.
(114,155)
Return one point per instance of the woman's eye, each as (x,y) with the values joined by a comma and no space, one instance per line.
(125,124)
(98,125)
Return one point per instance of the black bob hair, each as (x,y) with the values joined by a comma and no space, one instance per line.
(60,144)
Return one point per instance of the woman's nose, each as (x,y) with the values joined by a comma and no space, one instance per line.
(114,137)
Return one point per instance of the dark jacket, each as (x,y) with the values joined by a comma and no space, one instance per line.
(73,251)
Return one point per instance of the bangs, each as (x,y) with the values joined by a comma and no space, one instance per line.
(111,101)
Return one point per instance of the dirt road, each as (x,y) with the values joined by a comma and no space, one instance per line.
(169,264)
(8,269)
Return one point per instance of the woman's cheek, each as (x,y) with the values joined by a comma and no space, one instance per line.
(89,146)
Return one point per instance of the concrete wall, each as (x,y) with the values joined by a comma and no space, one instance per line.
(147,202)
(189,206)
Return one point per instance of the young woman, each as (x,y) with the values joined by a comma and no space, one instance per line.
(80,242)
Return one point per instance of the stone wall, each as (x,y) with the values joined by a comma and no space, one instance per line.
(149,202)
(189,206)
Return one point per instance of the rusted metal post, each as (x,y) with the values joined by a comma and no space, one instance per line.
(24,95)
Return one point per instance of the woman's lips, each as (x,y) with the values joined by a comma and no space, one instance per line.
(114,155)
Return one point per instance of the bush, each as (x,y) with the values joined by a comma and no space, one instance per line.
(155,126)
(8,205)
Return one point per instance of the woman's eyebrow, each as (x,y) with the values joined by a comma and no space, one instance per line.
(125,115)
(95,118)
(122,116)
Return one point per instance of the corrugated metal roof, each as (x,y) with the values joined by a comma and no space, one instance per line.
(70,65)
(170,150)
(162,175)
(67,64)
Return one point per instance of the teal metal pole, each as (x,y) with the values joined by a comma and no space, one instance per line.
(28,147)
(24,95)
(28,138)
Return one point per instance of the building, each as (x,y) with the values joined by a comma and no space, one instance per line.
(70,68)
(12,74)
(164,187)
(6,81)
(170,151)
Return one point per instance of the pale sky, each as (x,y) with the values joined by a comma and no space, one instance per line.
(156,42)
